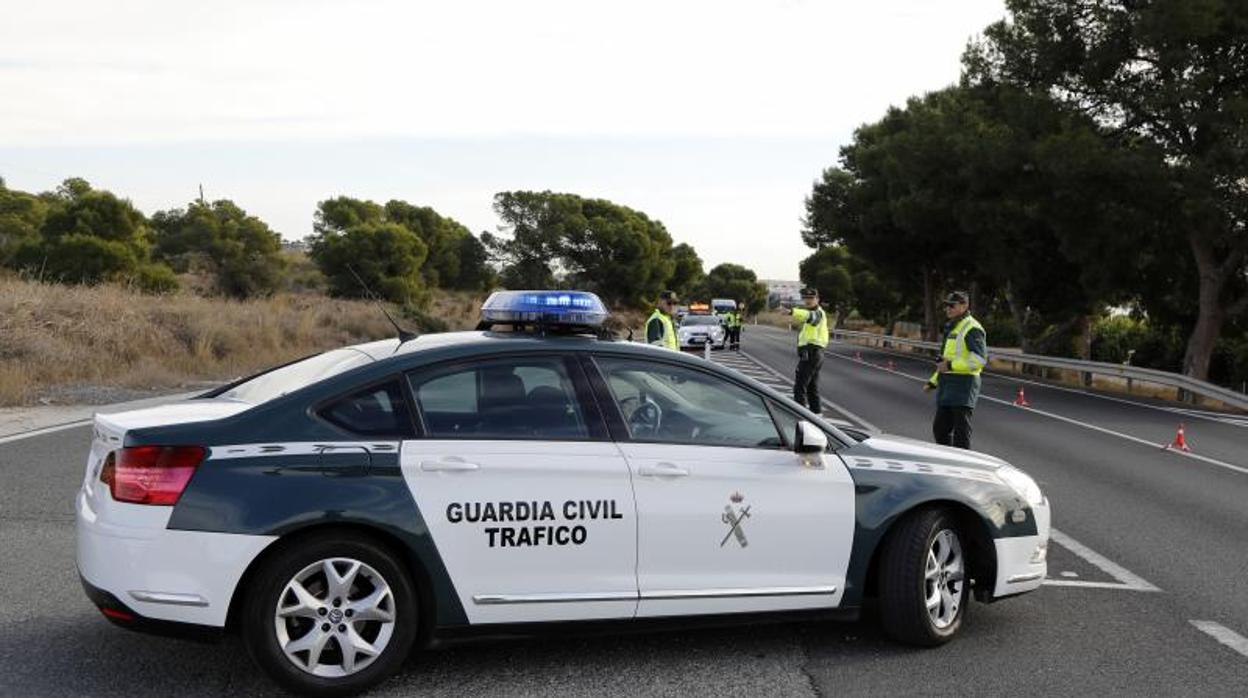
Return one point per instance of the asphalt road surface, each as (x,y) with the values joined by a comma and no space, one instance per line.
(1148,591)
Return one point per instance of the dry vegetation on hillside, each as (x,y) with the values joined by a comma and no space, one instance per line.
(60,341)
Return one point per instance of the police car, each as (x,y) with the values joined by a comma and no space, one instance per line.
(697,330)
(341,510)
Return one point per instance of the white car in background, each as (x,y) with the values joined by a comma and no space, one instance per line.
(696,331)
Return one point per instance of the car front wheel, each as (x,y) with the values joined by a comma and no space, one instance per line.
(330,617)
(923,580)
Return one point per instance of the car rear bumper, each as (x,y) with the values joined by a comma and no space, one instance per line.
(1022,562)
(157,574)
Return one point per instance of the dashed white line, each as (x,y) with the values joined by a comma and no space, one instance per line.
(1126,578)
(1223,634)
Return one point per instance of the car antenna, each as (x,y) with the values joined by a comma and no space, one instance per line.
(404,335)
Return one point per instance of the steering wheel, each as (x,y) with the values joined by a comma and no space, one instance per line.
(645,419)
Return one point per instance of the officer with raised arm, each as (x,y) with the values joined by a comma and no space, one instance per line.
(660,331)
(956,379)
(812,339)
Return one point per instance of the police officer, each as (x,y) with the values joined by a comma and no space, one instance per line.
(734,328)
(956,379)
(812,339)
(659,328)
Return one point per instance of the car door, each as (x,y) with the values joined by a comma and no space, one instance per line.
(729,518)
(528,501)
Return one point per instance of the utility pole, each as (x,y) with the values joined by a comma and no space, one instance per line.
(201,194)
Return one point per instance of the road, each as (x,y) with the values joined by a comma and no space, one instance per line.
(1153,543)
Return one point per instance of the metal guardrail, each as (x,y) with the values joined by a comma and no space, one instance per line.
(1089,368)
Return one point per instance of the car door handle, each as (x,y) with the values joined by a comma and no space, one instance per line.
(662,470)
(448,465)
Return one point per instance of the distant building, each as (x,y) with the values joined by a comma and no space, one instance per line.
(779,291)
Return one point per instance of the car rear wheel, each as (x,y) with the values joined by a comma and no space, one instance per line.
(923,581)
(330,617)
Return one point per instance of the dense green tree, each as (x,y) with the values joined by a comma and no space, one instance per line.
(687,274)
(448,241)
(847,283)
(241,252)
(21,218)
(595,244)
(386,256)
(738,283)
(990,189)
(88,236)
(1170,72)
(451,257)
(828,271)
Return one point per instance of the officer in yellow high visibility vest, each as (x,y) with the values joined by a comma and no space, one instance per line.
(734,328)
(812,339)
(660,331)
(956,379)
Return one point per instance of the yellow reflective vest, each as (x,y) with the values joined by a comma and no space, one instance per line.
(962,361)
(668,339)
(814,326)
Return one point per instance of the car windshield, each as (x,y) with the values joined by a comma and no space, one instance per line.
(291,377)
(699,320)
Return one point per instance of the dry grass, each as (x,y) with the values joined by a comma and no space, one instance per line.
(53,337)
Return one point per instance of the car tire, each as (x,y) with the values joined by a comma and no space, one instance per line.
(923,562)
(268,633)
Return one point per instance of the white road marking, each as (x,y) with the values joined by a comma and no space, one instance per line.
(1223,634)
(1070,574)
(1199,414)
(1068,420)
(43,430)
(1127,579)
(849,415)
(1089,585)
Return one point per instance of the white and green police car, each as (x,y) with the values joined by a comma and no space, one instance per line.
(342,510)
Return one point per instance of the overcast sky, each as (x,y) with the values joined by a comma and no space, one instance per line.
(714,117)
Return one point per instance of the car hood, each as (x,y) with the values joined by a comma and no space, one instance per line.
(901,448)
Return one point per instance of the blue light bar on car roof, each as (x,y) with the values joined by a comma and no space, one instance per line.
(579,308)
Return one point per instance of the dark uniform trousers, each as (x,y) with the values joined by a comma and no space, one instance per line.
(806,385)
(952,426)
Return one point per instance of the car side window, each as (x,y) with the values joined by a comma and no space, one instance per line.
(674,404)
(379,410)
(521,398)
(786,421)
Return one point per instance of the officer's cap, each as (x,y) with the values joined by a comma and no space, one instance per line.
(810,293)
(957,297)
(668,296)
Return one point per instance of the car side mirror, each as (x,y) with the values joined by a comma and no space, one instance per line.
(809,439)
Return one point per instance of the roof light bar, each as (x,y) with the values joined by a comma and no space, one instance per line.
(572,308)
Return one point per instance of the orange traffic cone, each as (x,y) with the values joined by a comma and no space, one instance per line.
(1179,443)
(1021,398)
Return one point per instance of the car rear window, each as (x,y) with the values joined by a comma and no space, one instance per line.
(700,320)
(292,377)
(379,410)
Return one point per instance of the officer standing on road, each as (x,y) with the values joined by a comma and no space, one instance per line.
(956,379)
(659,328)
(734,328)
(812,339)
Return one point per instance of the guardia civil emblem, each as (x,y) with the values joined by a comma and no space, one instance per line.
(733,517)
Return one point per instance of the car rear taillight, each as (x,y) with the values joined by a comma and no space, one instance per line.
(150,474)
